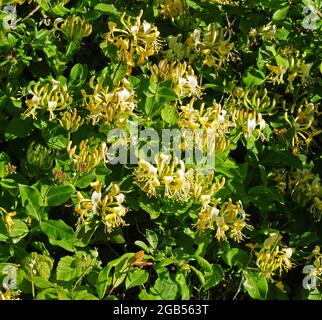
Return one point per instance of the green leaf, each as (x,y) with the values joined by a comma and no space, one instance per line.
(78,74)
(255,284)
(170,114)
(236,257)
(213,277)
(314,295)
(199,275)
(10,185)
(158,95)
(261,191)
(203,263)
(136,278)
(165,287)
(31,201)
(281,159)
(59,194)
(42,266)
(18,231)
(57,293)
(85,180)
(142,245)
(107,9)
(152,238)
(83,295)
(59,234)
(254,77)
(180,279)
(280,14)
(18,128)
(67,269)
(151,208)
(104,280)
(4,159)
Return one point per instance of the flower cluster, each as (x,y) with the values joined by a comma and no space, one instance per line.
(304,123)
(215,47)
(210,126)
(49,96)
(109,107)
(89,156)
(74,28)
(256,100)
(172,8)
(40,157)
(303,185)
(267,32)
(185,82)
(107,206)
(230,219)
(171,177)
(71,121)
(250,123)
(274,256)
(290,66)
(172,180)
(135,38)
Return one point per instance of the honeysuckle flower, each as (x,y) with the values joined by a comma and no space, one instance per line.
(251,125)
(107,206)
(209,125)
(109,107)
(213,45)
(136,37)
(96,199)
(71,121)
(47,96)
(172,8)
(90,154)
(73,28)
(274,256)
(229,220)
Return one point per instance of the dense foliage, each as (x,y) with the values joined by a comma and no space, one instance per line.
(76,224)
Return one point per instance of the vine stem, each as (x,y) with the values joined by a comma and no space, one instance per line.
(31,13)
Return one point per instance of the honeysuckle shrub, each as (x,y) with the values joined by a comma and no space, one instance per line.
(243,78)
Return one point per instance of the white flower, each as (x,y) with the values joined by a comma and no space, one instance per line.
(262,124)
(251,125)
(182,82)
(152,170)
(120,198)
(35,100)
(134,29)
(205,198)
(193,82)
(52,105)
(220,220)
(146,27)
(222,115)
(214,213)
(120,211)
(167,179)
(164,157)
(56,84)
(288,252)
(180,174)
(196,36)
(96,199)
(124,94)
